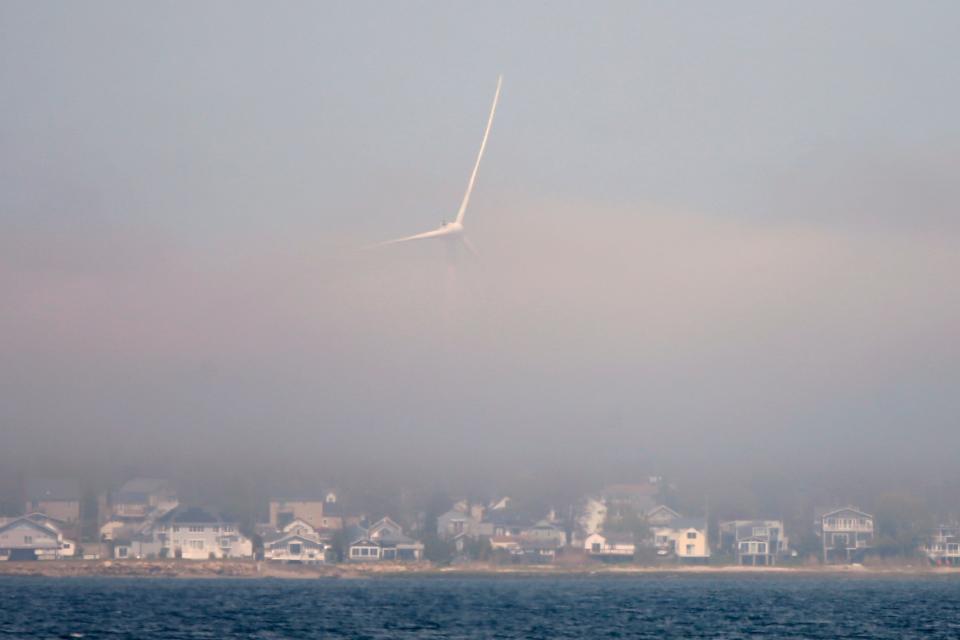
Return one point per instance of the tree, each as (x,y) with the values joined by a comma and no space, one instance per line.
(437,550)
(902,521)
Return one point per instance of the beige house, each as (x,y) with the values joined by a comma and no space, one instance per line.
(57,498)
(321,513)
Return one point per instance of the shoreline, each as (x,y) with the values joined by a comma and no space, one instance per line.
(248,569)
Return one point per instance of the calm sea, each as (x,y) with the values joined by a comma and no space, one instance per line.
(659,606)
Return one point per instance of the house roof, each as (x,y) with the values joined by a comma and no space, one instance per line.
(192,515)
(662,508)
(290,537)
(46,520)
(364,542)
(51,489)
(829,511)
(9,523)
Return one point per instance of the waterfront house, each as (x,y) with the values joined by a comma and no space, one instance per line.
(455,523)
(754,542)
(363,549)
(136,545)
(684,539)
(298,542)
(394,545)
(33,538)
(943,545)
(198,534)
(544,531)
(610,546)
(846,534)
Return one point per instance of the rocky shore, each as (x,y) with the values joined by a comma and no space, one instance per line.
(252,569)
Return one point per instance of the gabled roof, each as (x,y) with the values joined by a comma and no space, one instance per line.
(51,489)
(662,508)
(364,542)
(45,520)
(298,522)
(22,520)
(385,522)
(291,537)
(831,511)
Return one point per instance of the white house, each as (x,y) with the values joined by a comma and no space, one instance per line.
(683,538)
(610,546)
(943,546)
(363,550)
(298,542)
(200,534)
(26,538)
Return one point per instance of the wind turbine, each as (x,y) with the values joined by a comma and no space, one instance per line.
(453,231)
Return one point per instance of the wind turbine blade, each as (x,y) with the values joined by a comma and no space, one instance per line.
(436,233)
(483,145)
(469,245)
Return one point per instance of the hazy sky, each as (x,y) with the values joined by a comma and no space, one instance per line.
(723,230)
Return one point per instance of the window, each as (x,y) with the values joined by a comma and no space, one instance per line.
(122,552)
(228,528)
(354,552)
(953,547)
(691,535)
(744,547)
(689,549)
(176,529)
(296,548)
(760,532)
(27,539)
(196,544)
(196,528)
(595,547)
(761,547)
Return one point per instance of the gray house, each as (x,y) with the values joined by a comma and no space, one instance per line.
(754,542)
(846,534)
(25,539)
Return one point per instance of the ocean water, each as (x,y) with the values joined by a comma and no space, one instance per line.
(661,606)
